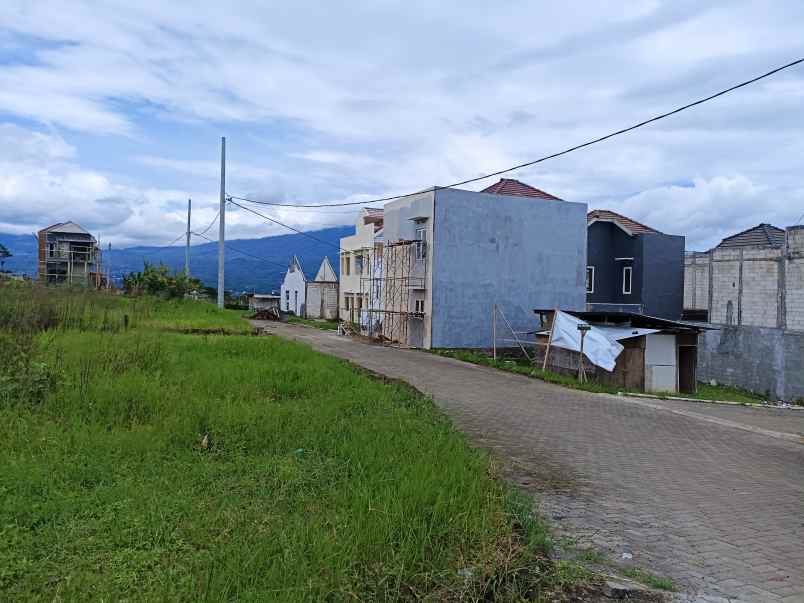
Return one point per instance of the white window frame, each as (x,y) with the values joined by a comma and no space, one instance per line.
(419,306)
(630,281)
(421,242)
(590,281)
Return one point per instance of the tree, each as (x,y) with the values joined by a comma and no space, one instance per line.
(4,255)
(157,280)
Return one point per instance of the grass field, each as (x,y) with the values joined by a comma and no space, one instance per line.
(151,464)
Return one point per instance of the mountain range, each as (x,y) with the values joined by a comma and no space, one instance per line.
(251,264)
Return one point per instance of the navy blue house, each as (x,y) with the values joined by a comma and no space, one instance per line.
(632,267)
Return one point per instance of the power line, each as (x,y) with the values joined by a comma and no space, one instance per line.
(235,249)
(301,232)
(211,224)
(552,155)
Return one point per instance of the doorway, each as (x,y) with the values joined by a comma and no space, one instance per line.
(687,365)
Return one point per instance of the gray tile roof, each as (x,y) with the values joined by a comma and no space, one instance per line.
(761,235)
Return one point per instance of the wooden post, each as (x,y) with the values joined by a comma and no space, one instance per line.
(494,330)
(549,339)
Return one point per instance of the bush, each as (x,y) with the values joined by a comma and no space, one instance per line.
(158,281)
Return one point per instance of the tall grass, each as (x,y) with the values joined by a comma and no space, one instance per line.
(166,466)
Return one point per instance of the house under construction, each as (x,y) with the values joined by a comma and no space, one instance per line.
(69,255)
(441,259)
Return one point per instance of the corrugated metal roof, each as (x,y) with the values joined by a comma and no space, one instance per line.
(631,226)
(509,186)
(761,235)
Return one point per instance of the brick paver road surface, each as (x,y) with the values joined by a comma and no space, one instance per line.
(688,495)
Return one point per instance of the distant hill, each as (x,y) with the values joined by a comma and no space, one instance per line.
(243,273)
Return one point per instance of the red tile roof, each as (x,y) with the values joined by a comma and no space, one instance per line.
(509,186)
(631,226)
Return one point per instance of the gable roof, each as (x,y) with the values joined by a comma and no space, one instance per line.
(295,265)
(325,272)
(509,186)
(67,228)
(630,226)
(761,235)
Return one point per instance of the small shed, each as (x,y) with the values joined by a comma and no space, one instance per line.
(263,301)
(322,293)
(658,355)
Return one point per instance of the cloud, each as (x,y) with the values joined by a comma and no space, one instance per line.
(119,110)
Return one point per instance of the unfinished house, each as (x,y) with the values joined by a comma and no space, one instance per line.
(69,255)
(632,267)
(652,354)
(751,286)
(294,289)
(321,300)
(451,255)
(361,267)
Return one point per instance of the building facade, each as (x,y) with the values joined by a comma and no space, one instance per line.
(360,267)
(632,267)
(451,255)
(321,299)
(69,255)
(293,291)
(751,286)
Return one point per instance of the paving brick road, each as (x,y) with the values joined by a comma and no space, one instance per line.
(695,496)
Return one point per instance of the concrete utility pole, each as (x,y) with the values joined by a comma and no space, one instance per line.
(222,222)
(109,268)
(187,248)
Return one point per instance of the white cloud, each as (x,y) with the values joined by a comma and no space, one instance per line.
(385,98)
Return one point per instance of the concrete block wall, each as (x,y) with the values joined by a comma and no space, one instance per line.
(794,279)
(725,291)
(759,304)
(696,281)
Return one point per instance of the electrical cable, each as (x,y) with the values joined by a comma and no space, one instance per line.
(235,249)
(546,157)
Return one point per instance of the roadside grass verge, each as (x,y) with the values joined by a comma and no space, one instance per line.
(155,465)
(324,325)
(706,392)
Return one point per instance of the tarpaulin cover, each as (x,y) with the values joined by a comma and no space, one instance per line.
(597,347)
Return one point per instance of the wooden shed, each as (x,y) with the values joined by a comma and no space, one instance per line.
(659,355)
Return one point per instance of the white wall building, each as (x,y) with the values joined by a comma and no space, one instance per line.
(322,293)
(361,258)
(294,289)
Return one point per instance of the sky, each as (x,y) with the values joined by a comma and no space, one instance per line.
(111,113)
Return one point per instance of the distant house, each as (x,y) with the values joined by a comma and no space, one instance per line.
(632,267)
(322,293)
(448,256)
(68,254)
(294,288)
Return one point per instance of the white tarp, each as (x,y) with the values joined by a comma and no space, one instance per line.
(597,347)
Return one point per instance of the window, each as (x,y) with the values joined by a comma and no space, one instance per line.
(347,302)
(590,279)
(345,268)
(421,243)
(419,306)
(358,264)
(287,299)
(627,280)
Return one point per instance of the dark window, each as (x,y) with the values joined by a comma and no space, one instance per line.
(590,279)
(627,270)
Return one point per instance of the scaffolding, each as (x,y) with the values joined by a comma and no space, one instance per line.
(394,271)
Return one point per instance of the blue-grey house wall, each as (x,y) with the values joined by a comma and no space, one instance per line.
(663,275)
(518,252)
(658,270)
